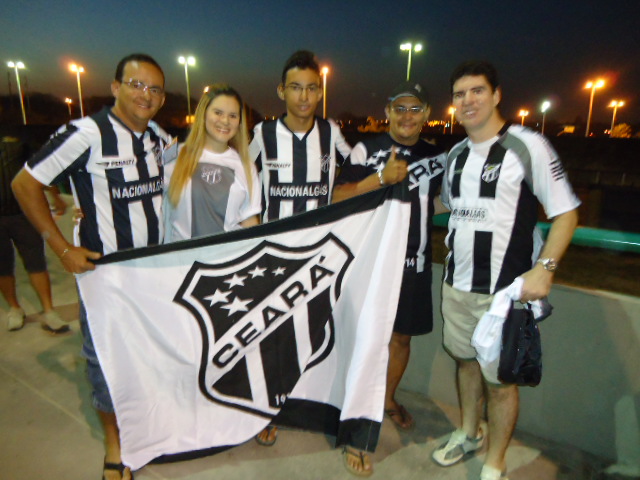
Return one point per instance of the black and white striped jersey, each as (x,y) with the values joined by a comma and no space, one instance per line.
(116,176)
(426,167)
(297,170)
(493,189)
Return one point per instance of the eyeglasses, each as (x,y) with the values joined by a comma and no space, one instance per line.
(399,109)
(141,87)
(312,89)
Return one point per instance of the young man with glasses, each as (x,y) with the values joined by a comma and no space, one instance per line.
(297,153)
(383,160)
(114,161)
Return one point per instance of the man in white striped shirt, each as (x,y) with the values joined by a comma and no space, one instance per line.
(493,183)
(114,161)
(297,153)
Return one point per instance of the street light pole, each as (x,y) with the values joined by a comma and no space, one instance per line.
(408,46)
(325,70)
(186,62)
(543,108)
(78,69)
(16,66)
(523,113)
(592,86)
(614,104)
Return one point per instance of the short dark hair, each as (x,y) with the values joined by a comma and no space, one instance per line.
(302,59)
(476,68)
(136,57)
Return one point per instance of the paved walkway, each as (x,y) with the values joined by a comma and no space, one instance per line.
(49,430)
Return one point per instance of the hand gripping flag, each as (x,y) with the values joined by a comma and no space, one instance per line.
(205,342)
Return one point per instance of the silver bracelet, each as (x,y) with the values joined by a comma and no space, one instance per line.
(382,184)
(64,252)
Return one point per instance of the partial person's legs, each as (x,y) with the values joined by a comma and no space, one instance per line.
(8,289)
(471,395)
(503,414)
(399,352)
(112,446)
(42,285)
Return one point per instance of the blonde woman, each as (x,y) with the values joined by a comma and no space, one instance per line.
(213,186)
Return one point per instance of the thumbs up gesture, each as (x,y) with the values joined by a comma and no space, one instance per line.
(395,170)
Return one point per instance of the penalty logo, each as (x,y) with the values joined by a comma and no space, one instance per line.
(265,318)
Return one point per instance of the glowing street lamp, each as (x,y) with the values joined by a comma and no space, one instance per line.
(324,71)
(409,47)
(452,112)
(593,86)
(68,101)
(19,66)
(614,104)
(186,62)
(77,69)
(543,108)
(523,113)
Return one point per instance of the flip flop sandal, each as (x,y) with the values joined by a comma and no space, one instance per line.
(361,462)
(268,443)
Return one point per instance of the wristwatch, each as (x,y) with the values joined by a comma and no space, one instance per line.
(548,264)
(380,179)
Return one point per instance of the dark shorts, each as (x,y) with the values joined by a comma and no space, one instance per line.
(414,315)
(16,230)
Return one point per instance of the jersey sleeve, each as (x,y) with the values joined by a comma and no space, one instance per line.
(343,149)
(550,181)
(256,148)
(253,203)
(354,168)
(65,151)
(444,191)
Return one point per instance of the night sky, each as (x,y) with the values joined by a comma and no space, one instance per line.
(543,49)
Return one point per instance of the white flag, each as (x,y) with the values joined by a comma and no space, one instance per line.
(205,342)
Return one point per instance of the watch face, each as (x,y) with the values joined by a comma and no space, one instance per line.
(548,264)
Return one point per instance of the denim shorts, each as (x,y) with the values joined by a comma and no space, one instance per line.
(101,398)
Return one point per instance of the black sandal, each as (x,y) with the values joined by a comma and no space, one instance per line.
(119,467)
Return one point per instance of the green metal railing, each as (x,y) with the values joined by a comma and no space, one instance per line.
(584,236)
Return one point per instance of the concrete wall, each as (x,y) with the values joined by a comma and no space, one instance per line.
(590,391)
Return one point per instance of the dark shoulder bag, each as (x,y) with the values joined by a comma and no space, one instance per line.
(521,353)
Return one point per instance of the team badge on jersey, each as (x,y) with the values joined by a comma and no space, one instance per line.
(265,318)
(491,172)
(211,175)
(325,162)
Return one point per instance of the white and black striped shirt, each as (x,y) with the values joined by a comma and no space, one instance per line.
(426,167)
(493,189)
(116,176)
(297,171)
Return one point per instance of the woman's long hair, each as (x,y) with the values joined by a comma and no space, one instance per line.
(191,151)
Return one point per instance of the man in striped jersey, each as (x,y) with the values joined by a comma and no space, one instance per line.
(114,161)
(387,159)
(493,183)
(297,154)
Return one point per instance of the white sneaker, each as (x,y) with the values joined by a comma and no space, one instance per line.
(456,448)
(54,324)
(490,473)
(15,319)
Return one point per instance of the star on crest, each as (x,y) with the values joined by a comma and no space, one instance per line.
(217,297)
(278,271)
(257,272)
(237,305)
(236,280)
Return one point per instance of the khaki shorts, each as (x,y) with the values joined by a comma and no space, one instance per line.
(461,312)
